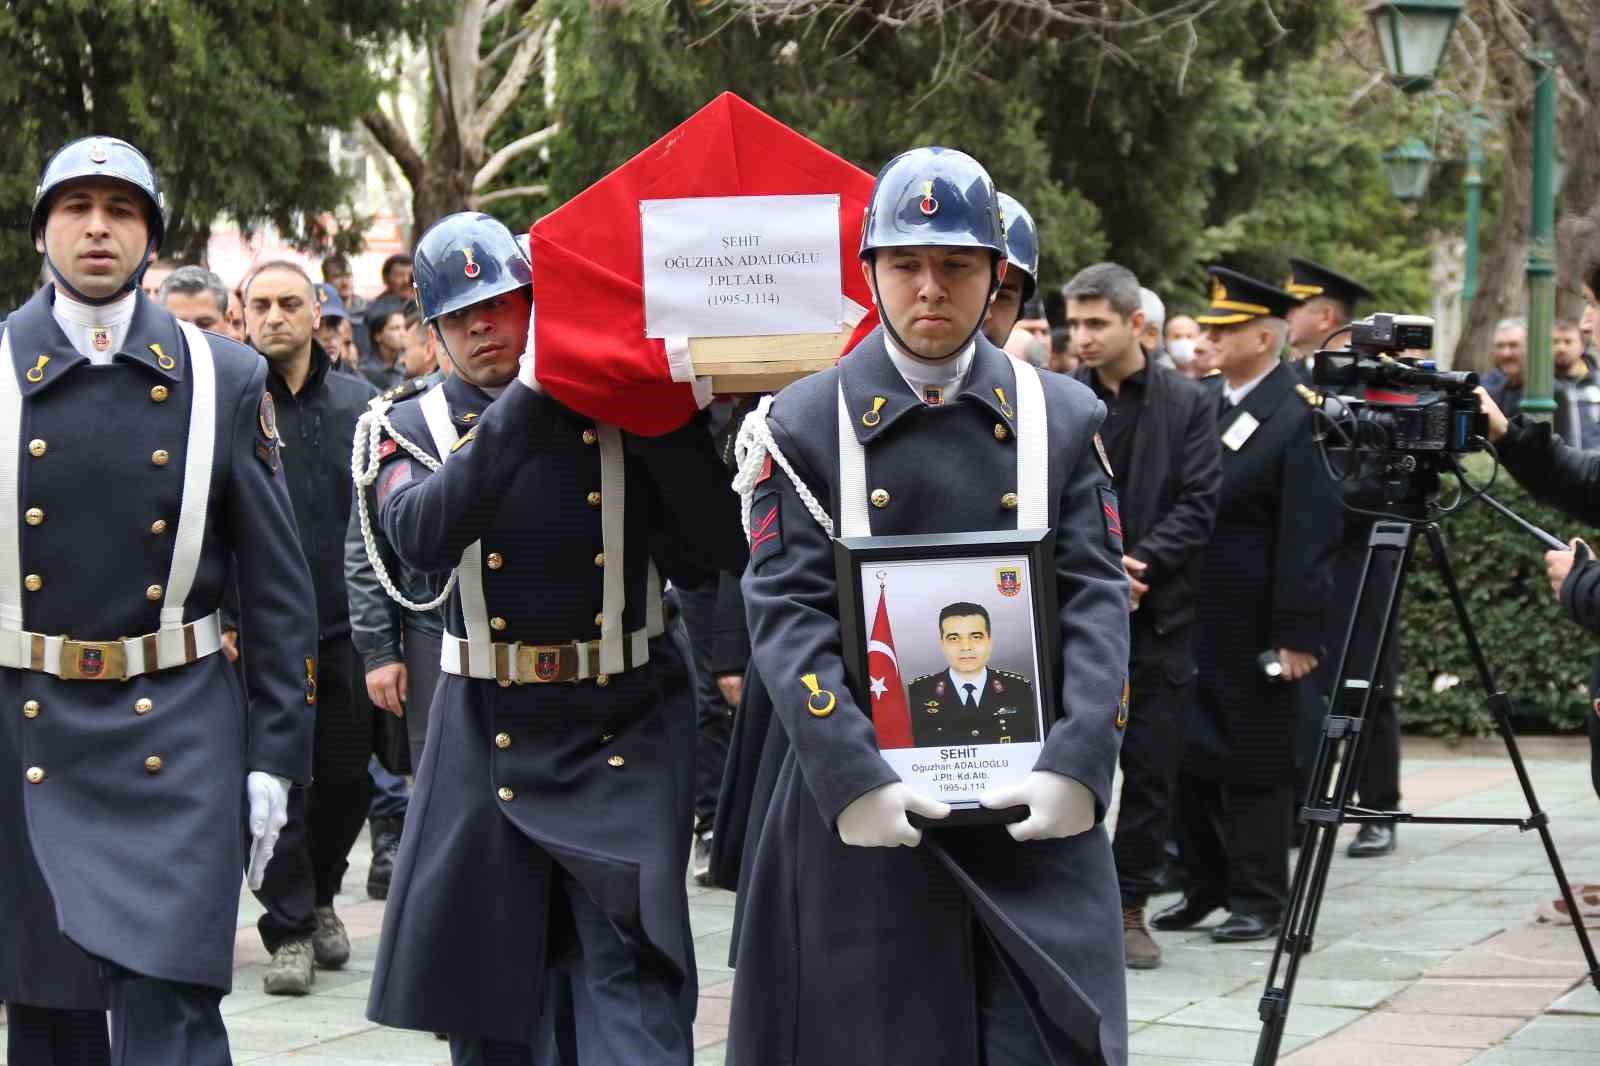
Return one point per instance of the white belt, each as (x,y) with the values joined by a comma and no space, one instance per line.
(536,664)
(110,660)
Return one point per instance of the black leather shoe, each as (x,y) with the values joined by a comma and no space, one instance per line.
(1185,914)
(1373,838)
(1241,927)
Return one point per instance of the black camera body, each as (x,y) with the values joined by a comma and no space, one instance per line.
(1386,404)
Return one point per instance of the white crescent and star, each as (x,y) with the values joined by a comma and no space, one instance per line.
(879,688)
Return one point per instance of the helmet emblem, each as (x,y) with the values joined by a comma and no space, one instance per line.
(97,152)
(472,269)
(929,205)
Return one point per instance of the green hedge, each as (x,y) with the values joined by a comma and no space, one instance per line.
(1539,656)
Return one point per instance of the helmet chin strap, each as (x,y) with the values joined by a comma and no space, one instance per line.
(894,334)
(461,371)
(128,286)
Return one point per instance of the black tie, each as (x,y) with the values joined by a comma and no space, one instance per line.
(972,699)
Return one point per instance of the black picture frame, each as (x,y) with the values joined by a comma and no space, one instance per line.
(854,555)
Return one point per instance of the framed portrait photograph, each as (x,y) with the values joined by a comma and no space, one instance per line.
(950,643)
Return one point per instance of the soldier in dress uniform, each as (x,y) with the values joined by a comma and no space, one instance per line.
(547,832)
(141,457)
(1021,282)
(1262,587)
(969,703)
(992,945)
(1328,302)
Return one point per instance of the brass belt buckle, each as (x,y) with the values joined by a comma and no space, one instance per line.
(87,660)
(538,664)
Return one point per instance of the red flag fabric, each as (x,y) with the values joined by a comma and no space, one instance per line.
(891,712)
(588,262)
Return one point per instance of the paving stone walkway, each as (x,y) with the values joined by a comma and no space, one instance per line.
(1427,957)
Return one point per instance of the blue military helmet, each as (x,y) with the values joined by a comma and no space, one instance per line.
(102,157)
(1022,243)
(933,197)
(463,259)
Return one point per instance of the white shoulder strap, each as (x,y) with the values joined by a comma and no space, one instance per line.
(1033,450)
(198,458)
(854,518)
(469,572)
(10,450)
(613,527)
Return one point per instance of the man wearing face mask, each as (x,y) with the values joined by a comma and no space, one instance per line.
(862,939)
(142,476)
(545,842)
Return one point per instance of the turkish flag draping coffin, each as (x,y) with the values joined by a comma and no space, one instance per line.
(588,266)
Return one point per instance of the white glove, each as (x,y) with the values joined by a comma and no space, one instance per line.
(526,362)
(1058,806)
(877,819)
(269,811)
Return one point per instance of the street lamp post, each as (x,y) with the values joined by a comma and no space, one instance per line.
(1412,35)
(1410,165)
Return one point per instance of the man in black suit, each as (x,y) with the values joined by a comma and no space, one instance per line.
(969,703)
(1263,586)
(1160,435)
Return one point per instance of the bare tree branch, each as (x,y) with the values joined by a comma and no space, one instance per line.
(505,94)
(394,139)
(496,163)
(495,9)
(1555,32)
(508,193)
(505,46)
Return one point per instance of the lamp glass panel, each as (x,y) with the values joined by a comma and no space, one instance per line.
(1422,37)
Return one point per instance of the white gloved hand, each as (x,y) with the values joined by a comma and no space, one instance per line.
(269,811)
(1058,806)
(877,819)
(525,364)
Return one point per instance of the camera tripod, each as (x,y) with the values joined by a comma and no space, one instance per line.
(1357,683)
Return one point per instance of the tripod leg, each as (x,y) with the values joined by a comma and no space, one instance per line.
(1360,667)
(1499,706)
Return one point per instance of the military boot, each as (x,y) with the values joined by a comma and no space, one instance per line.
(385,844)
(290,972)
(330,942)
(1138,947)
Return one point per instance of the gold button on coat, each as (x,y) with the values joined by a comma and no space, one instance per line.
(999,431)
(506,794)
(616,760)
(590,436)
(159,526)
(159,394)
(160,457)
(1009,501)
(35,774)
(502,740)
(30,709)
(594,499)
(33,582)
(34,516)
(153,593)
(880,497)
(153,764)
(495,560)
(497,623)
(600,559)
(37,447)
(602,680)
(600,619)
(143,706)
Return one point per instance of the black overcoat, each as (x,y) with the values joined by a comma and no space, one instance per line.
(1264,583)
(105,856)
(598,775)
(864,955)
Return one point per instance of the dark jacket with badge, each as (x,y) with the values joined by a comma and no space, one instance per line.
(592,775)
(316,426)
(131,845)
(1265,583)
(865,955)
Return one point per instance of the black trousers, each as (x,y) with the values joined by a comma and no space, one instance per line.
(715,715)
(325,817)
(1235,840)
(422,677)
(1162,684)
(152,1022)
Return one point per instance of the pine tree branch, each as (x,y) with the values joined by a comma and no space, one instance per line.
(496,163)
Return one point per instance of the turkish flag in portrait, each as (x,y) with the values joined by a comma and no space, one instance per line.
(891,714)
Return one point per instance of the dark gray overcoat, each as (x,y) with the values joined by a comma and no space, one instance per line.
(864,955)
(110,855)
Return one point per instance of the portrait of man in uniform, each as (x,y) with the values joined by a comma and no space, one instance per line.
(968,701)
